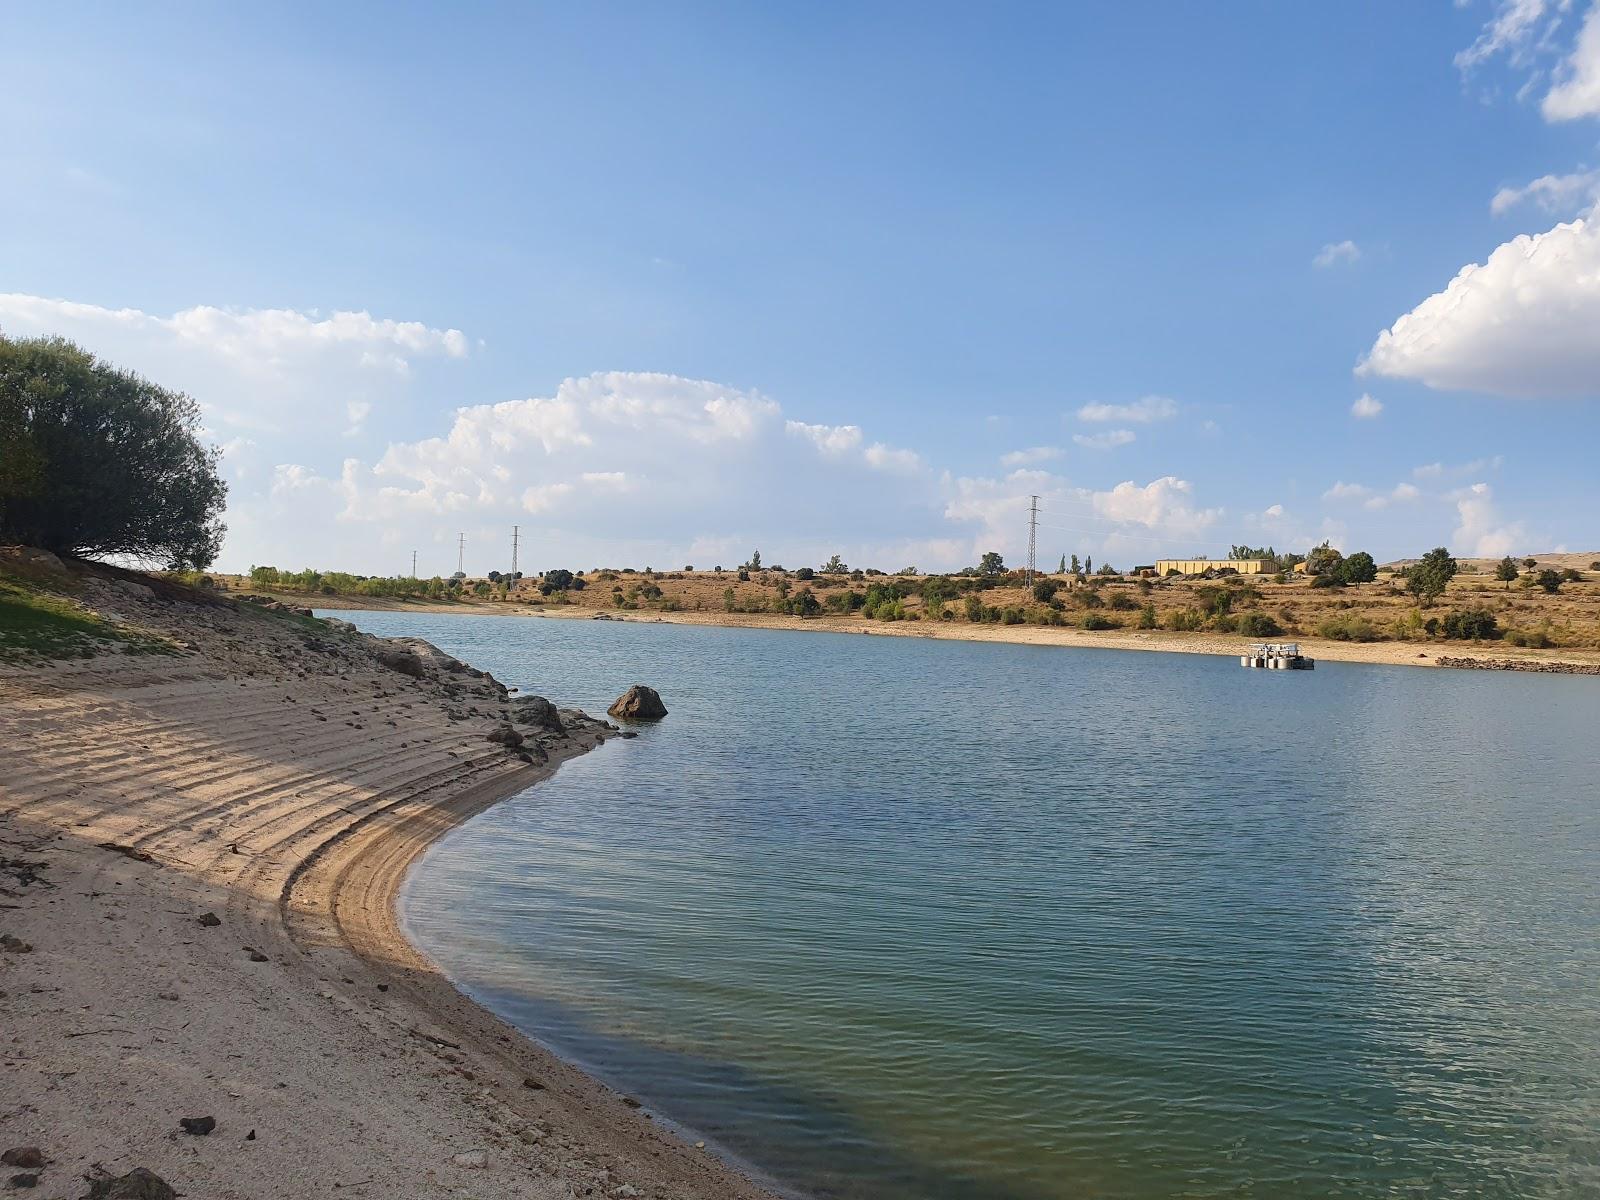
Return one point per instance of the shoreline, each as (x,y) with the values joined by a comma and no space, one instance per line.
(285,786)
(1449,655)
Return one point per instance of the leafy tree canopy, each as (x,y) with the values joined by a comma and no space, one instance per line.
(96,461)
(1431,575)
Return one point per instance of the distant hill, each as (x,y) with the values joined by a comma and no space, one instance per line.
(1486,566)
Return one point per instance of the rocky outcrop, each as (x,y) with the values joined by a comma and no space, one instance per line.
(505,736)
(397,658)
(537,712)
(639,703)
(1520,664)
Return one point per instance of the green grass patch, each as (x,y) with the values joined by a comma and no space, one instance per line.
(35,623)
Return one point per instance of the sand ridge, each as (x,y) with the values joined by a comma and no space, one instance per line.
(282,780)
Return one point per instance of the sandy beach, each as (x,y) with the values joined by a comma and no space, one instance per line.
(199,855)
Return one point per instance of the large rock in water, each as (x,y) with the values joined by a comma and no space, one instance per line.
(639,703)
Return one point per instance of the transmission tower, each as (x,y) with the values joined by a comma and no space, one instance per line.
(413,564)
(461,553)
(1033,533)
(516,531)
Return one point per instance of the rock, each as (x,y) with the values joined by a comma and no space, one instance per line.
(533,1084)
(129,588)
(197,1126)
(14,945)
(23,1180)
(137,1184)
(538,712)
(639,703)
(472,1160)
(23,1156)
(404,661)
(256,955)
(505,736)
(209,919)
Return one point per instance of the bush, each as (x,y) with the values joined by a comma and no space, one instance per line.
(1348,627)
(1096,621)
(1532,639)
(1147,617)
(1549,580)
(805,573)
(1121,603)
(1470,624)
(1571,576)
(1326,581)
(1044,591)
(98,461)
(1185,620)
(1258,625)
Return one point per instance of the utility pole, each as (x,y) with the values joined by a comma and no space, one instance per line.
(413,564)
(1033,534)
(461,553)
(515,534)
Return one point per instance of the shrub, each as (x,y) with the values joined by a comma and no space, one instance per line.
(1096,621)
(1470,624)
(1258,625)
(98,461)
(1044,591)
(1185,620)
(1571,576)
(1147,617)
(805,573)
(1326,581)
(1549,580)
(1348,627)
(1533,639)
(1013,615)
(1121,603)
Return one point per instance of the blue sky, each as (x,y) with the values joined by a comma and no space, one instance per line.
(661,284)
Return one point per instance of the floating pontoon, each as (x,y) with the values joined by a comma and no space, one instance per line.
(1277,656)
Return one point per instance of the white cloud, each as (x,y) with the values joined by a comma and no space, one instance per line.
(1522,324)
(1366,408)
(1482,533)
(1577,93)
(830,440)
(1163,503)
(1559,195)
(1145,411)
(1273,512)
(1371,498)
(544,496)
(887,458)
(1511,32)
(1334,253)
(1438,470)
(1400,494)
(1347,491)
(1109,440)
(250,369)
(1030,457)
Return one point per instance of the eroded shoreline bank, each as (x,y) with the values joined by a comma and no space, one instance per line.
(281,779)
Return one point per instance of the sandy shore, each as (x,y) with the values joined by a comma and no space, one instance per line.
(283,781)
(1407,654)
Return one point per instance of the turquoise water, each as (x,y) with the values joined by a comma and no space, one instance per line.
(906,918)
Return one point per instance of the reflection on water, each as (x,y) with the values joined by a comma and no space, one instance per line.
(917,918)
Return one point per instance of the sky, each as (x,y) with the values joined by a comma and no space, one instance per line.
(662,284)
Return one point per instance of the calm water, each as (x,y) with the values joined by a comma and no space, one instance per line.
(904,918)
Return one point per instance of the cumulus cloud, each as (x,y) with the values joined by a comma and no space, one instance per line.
(250,368)
(1482,532)
(1335,253)
(1366,408)
(1108,440)
(1577,91)
(1521,324)
(1370,497)
(1273,512)
(1145,411)
(1030,456)
(843,442)
(1559,195)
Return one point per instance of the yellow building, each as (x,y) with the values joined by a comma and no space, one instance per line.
(1199,566)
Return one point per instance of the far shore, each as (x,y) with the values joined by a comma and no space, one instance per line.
(1389,653)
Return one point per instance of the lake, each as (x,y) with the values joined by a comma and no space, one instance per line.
(895,917)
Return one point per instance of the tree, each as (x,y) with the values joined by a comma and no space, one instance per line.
(1358,568)
(1431,575)
(1044,591)
(1075,567)
(1323,559)
(805,604)
(806,573)
(556,581)
(728,599)
(991,564)
(1507,571)
(755,561)
(98,461)
(1062,569)
(1088,564)
(835,566)
(1549,580)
